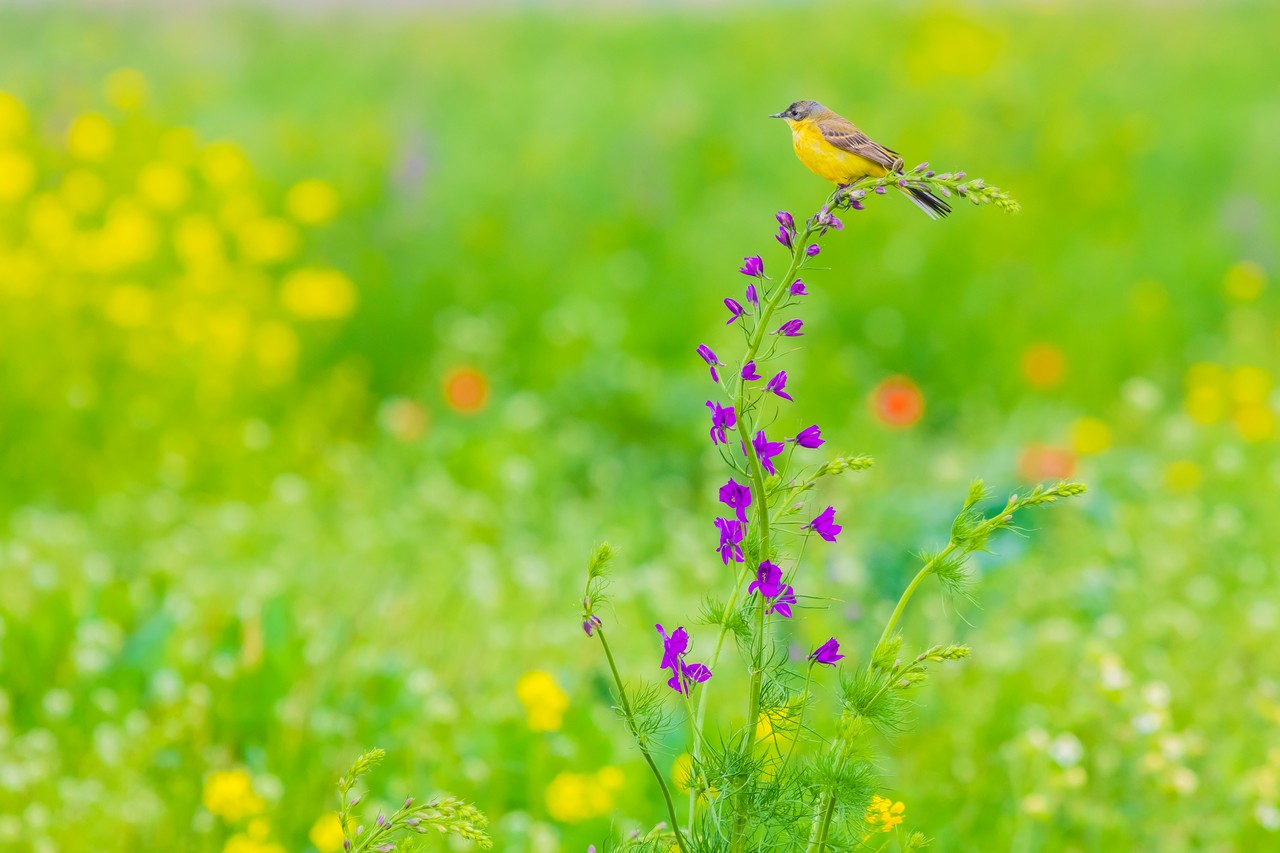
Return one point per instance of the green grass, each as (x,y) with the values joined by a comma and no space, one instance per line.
(207,566)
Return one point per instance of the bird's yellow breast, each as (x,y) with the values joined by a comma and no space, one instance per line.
(827,161)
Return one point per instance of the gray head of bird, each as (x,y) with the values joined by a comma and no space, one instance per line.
(799,111)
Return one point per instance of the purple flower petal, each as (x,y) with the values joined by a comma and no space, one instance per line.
(810,437)
(825,525)
(812,249)
(735,309)
(752,265)
(778,385)
(737,497)
(749,372)
(766,450)
(828,653)
(791,328)
(797,288)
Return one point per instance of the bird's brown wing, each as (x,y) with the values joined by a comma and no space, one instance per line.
(844,134)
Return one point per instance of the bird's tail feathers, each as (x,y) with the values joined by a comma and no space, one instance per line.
(934,207)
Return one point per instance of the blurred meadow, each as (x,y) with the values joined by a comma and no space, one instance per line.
(330,342)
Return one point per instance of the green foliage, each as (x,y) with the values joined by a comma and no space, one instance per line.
(443,815)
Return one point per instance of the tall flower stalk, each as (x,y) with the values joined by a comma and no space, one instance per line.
(745,794)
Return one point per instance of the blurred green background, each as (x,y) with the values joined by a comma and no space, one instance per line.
(331,341)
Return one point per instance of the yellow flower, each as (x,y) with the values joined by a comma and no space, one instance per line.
(312,202)
(1254,423)
(129,306)
(543,700)
(267,240)
(682,772)
(17,175)
(326,833)
(1250,385)
(575,797)
(244,843)
(1090,435)
(224,164)
(1245,281)
(884,813)
(126,89)
(275,348)
(314,293)
(129,236)
(1206,393)
(82,191)
(90,137)
(13,117)
(163,186)
(229,794)
(1182,476)
(197,241)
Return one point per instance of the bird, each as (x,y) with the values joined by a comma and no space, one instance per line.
(832,147)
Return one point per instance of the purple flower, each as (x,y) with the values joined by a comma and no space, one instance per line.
(766,450)
(784,237)
(921,167)
(825,525)
(778,385)
(828,653)
(730,546)
(797,288)
(683,674)
(385,848)
(812,249)
(880,190)
(749,372)
(736,496)
(783,604)
(785,220)
(751,295)
(673,646)
(722,418)
(791,328)
(690,674)
(590,623)
(752,266)
(857,205)
(710,358)
(735,309)
(809,437)
(768,581)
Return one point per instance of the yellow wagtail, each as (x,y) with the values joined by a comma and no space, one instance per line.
(832,147)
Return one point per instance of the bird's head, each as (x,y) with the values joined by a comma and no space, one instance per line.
(799,111)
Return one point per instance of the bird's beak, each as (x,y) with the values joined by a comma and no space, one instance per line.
(778,115)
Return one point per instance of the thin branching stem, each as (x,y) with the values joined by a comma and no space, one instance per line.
(644,749)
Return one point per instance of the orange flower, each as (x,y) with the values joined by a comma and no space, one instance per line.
(1043,365)
(1039,462)
(466,390)
(897,402)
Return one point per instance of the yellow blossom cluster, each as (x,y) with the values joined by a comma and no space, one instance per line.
(1241,394)
(543,700)
(229,794)
(146,267)
(884,814)
(575,797)
(256,838)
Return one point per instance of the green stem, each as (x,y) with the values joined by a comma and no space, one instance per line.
(804,702)
(753,347)
(780,294)
(910,591)
(818,839)
(644,750)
